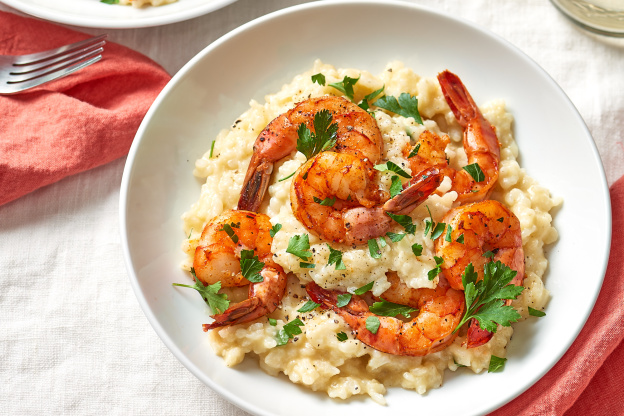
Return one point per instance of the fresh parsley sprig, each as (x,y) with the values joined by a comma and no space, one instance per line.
(485,299)
(288,331)
(251,266)
(323,138)
(346,86)
(386,308)
(218,302)
(406,105)
(366,102)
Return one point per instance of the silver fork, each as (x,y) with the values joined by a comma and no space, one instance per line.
(22,72)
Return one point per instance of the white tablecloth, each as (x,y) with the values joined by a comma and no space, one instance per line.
(73,339)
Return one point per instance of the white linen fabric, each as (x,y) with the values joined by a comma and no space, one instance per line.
(73,339)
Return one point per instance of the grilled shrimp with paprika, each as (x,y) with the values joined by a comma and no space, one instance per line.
(335,196)
(480,144)
(357,135)
(217,259)
(476,229)
(439,311)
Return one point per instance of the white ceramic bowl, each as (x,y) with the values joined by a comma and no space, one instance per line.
(93,13)
(257,58)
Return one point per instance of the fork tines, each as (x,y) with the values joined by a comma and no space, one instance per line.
(27,71)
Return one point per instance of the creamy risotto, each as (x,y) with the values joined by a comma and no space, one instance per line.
(316,358)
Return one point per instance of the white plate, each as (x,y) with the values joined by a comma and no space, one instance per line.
(92,13)
(253,60)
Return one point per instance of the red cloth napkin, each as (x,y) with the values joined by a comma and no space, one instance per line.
(76,123)
(589,378)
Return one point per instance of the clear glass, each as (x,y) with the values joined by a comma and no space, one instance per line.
(605,17)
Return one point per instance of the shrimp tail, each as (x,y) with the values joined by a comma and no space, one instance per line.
(237,314)
(476,336)
(458,98)
(256,183)
(323,297)
(264,297)
(277,140)
(416,191)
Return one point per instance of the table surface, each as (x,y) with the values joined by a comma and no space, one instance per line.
(78,343)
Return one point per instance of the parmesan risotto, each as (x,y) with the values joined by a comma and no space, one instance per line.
(316,358)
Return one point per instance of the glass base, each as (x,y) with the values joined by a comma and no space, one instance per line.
(605,17)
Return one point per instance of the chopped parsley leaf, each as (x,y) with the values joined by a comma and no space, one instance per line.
(372,324)
(392,167)
(288,331)
(309,306)
(319,79)
(497,364)
(431,274)
(275,229)
(417,249)
(438,230)
(536,312)
(406,106)
(360,291)
(327,202)
(343,299)
(218,302)
(414,151)
(335,257)
(396,186)
(342,337)
(447,237)
(460,239)
(299,245)
(365,104)
(475,171)
(230,232)
(346,86)
(251,266)
(324,137)
(405,221)
(395,237)
(385,308)
(287,177)
(373,248)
